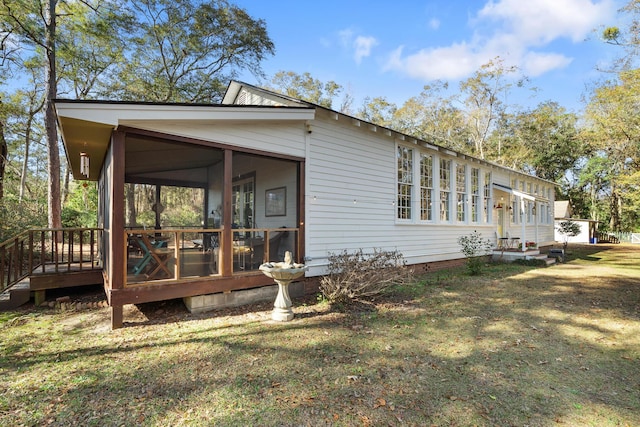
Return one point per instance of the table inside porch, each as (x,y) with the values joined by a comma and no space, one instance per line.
(155,255)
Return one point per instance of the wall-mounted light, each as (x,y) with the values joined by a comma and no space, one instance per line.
(84,164)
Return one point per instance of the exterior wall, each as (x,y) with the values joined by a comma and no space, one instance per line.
(351,196)
(279,137)
(583,237)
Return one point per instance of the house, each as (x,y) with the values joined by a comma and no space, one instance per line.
(588,227)
(276,174)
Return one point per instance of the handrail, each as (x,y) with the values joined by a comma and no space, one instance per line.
(48,250)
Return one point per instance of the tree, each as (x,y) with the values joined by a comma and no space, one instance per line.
(433,117)
(613,115)
(304,86)
(4,152)
(85,47)
(34,25)
(568,229)
(378,110)
(92,45)
(483,96)
(594,182)
(627,38)
(188,50)
(543,141)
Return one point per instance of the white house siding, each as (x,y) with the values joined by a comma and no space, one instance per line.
(280,137)
(582,237)
(351,199)
(351,194)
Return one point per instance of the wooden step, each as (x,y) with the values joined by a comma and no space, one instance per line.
(543,257)
(14,297)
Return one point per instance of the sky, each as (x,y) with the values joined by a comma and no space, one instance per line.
(392,49)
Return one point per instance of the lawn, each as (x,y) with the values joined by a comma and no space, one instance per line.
(518,346)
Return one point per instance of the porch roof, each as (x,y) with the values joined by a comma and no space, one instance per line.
(86,126)
(520,194)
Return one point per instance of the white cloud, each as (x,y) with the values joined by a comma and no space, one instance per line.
(516,30)
(541,21)
(434,23)
(360,46)
(535,63)
(363,46)
(452,62)
(346,37)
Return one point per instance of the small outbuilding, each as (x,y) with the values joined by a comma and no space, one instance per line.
(588,227)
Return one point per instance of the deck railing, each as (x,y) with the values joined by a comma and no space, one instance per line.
(174,254)
(49,250)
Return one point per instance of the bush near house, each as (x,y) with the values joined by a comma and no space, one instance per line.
(475,248)
(357,275)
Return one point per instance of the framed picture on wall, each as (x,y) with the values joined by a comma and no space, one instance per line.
(275,202)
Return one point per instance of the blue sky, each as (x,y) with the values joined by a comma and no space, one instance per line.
(393,48)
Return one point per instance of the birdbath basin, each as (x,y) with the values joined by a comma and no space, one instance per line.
(283,273)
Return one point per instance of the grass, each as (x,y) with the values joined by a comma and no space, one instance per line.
(517,345)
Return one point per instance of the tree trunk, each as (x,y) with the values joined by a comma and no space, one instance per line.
(614,223)
(131,205)
(25,163)
(4,152)
(53,198)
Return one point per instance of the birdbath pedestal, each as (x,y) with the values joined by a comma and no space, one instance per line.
(283,273)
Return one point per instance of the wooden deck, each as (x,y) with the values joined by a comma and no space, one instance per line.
(49,277)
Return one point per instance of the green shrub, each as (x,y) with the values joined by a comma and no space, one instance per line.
(475,248)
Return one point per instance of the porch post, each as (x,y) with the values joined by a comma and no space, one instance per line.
(301,212)
(117,257)
(226,244)
(536,207)
(523,239)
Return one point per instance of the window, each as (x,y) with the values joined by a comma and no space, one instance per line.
(461,192)
(445,189)
(426,187)
(405,181)
(487,196)
(243,202)
(475,194)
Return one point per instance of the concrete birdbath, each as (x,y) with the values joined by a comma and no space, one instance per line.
(283,273)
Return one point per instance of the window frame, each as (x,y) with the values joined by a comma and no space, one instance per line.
(426,187)
(444,174)
(404,183)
